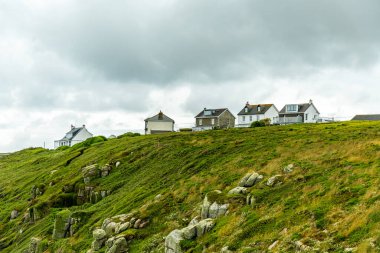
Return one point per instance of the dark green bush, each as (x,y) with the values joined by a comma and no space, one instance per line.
(261,123)
(89,142)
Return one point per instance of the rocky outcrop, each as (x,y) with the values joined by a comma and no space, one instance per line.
(194,230)
(238,190)
(250,179)
(213,206)
(109,233)
(37,191)
(95,171)
(64,225)
(100,238)
(36,245)
(116,245)
(272,181)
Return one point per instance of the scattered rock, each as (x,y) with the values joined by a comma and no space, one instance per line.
(158,197)
(123,227)
(111,228)
(137,223)
(204,226)
(273,245)
(225,250)
(250,200)
(99,234)
(238,190)
(288,168)
(250,179)
(215,209)
(90,173)
(14,214)
(62,224)
(117,164)
(350,249)
(172,242)
(36,246)
(301,247)
(277,179)
(105,170)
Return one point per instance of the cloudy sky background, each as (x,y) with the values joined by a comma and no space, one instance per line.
(110,65)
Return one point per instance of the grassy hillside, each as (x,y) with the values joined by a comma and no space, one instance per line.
(330,201)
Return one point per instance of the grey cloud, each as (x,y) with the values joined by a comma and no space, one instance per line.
(208,41)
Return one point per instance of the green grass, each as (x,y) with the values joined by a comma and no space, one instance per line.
(331,196)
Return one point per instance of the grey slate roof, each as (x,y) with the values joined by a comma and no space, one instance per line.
(367,117)
(252,109)
(301,108)
(71,134)
(160,117)
(214,113)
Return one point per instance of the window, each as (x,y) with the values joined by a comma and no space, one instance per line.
(250,118)
(243,118)
(291,108)
(200,122)
(306,116)
(212,121)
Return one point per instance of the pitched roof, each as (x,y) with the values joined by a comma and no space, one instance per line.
(72,133)
(367,117)
(213,113)
(301,108)
(253,109)
(160,117)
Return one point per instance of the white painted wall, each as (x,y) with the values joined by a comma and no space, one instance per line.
(159,126)
(312,115)
(246,120)
(83,135)
(271,114)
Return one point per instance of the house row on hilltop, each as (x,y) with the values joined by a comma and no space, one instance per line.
(223,118)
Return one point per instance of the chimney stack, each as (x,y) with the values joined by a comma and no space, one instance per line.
(310,102)
(160,115)
(84,125)
(72,126)
(247,104)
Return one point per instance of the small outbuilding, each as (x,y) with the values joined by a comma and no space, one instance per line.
(158,124)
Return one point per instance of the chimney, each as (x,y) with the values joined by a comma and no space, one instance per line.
(310,102)
(247,104)
(84,126)
(72,126)
(160,115)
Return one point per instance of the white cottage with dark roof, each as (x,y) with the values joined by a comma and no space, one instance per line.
(74,136)
(252,113)
(298,113)
(158,124)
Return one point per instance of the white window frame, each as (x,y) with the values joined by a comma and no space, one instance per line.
(243,118)
(212,121)
(200,122)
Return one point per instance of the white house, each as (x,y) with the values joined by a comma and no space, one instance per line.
(159,123)
(298,113)
(251,113)
(74,136)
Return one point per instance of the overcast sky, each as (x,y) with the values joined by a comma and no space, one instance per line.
(111,64)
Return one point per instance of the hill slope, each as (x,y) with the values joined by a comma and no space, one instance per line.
(328,201)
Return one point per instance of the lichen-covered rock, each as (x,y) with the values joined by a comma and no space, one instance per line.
(212,206)
(36,246)
(90,173)
(14,214)
(119,245)
(288,168)
(238,190)
(105,170)
(189,232)
(137,223)
(225,250)
(111,228)
(123,226)
(250,200)
(217,210)
(250,179)
(277,179)
(173,241)
(204,226)
(99,234)
(62,224)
